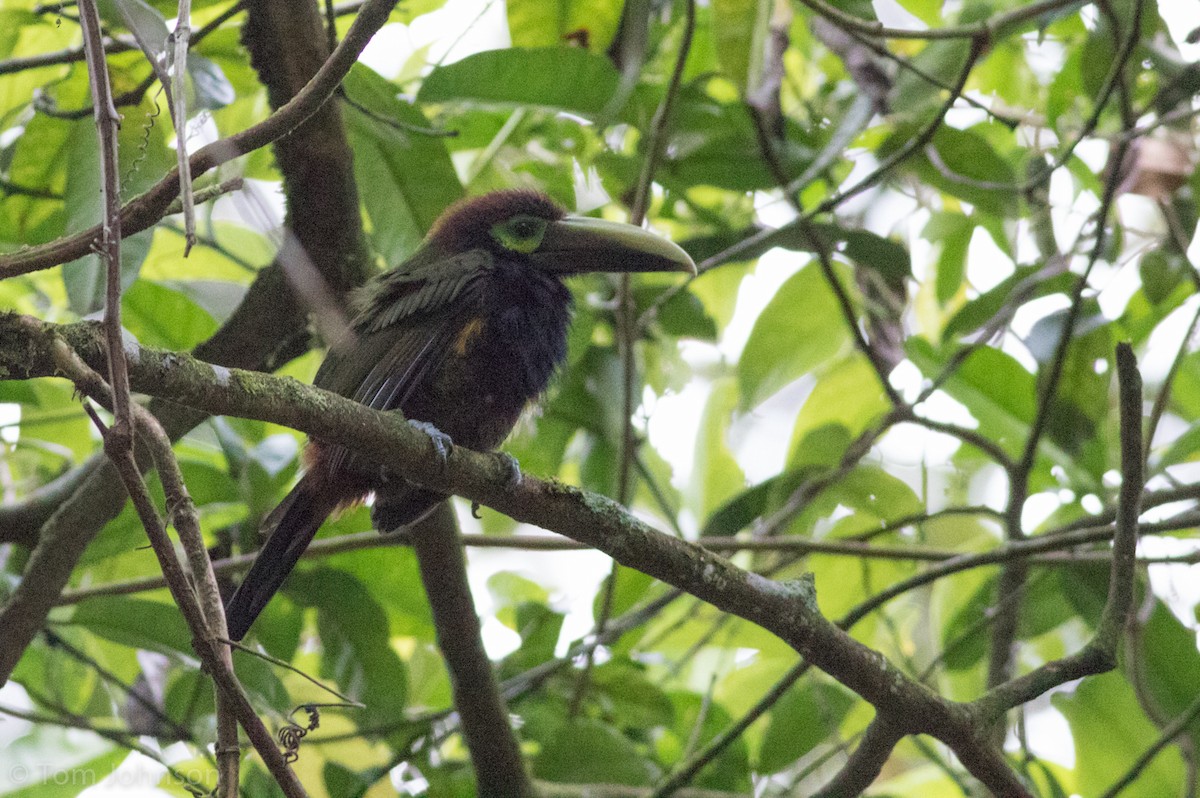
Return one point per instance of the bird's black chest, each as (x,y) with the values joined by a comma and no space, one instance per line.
(506,346)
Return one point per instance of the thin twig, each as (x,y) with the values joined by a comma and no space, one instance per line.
(215,656)
(866,762)
(146,210)
(183,31)
(984,31)
(1164,394)
(1100,653)
(1168,734)
(107,122)
(1000,658)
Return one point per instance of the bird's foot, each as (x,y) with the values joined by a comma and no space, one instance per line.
(511,484)
(514,471)
(442,443)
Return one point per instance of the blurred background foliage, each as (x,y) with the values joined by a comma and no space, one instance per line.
(760,410)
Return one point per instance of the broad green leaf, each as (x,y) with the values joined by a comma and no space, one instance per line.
(144,157)
(341,780)
(964,164)
(700,721)
(848,396)
(799,329)
(57,418)
(210,88)
(162,317)
(738,30)
(683,315)
(611,758)
(805,716)
(912,95)
(539,628)
(558,78)
(998,391)
(53,778)
(1026,283)
(716,475)
(1110,731)
(1161,272)
(953,232)
(631,690)
(355,643)
(1043,608)
(147,25)
(928,11)
(1164,659)
(406,178)
(591,24)
(136,622)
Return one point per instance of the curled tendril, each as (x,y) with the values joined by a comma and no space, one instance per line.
(292,733)
(144,146)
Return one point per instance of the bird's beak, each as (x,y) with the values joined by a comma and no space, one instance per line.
(580,244)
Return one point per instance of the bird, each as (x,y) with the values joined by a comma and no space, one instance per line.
(459,338)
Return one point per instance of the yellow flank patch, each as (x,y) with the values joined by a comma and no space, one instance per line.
(470,332)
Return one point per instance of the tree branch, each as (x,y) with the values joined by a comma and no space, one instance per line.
(200,606)
(495,751)
(787,609)
(1100,654)
(864,765)
(144,211)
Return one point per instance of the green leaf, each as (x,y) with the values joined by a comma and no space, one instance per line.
(699,720)
(610,757)
(716,475)
(407,179)
(737,513)
(1161,272)
(629,691)
(53,778)
(558,78)
(539,627)
(967,167)
(135,622)
(913,95)
(848,395)
(210,88)
(1110,731)
(953,232)
(355,642)
(683,315)
(510,589)
(1164,660)
(800,328)
(341,780)
(163,317)
(147,25)
(1026,283)
(802,719)
(84,277)
(545,23)
(872,251)
(738,30)
(1044,608)
(998,391)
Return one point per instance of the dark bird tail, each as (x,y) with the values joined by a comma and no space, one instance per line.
(291,526)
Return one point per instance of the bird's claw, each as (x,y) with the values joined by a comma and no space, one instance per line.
(442,443)
(511,484)
(514,471)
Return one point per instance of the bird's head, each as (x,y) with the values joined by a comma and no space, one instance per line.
(530,226)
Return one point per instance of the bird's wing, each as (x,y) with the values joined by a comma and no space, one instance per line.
(402,334)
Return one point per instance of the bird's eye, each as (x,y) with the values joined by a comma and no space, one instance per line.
(521,233)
